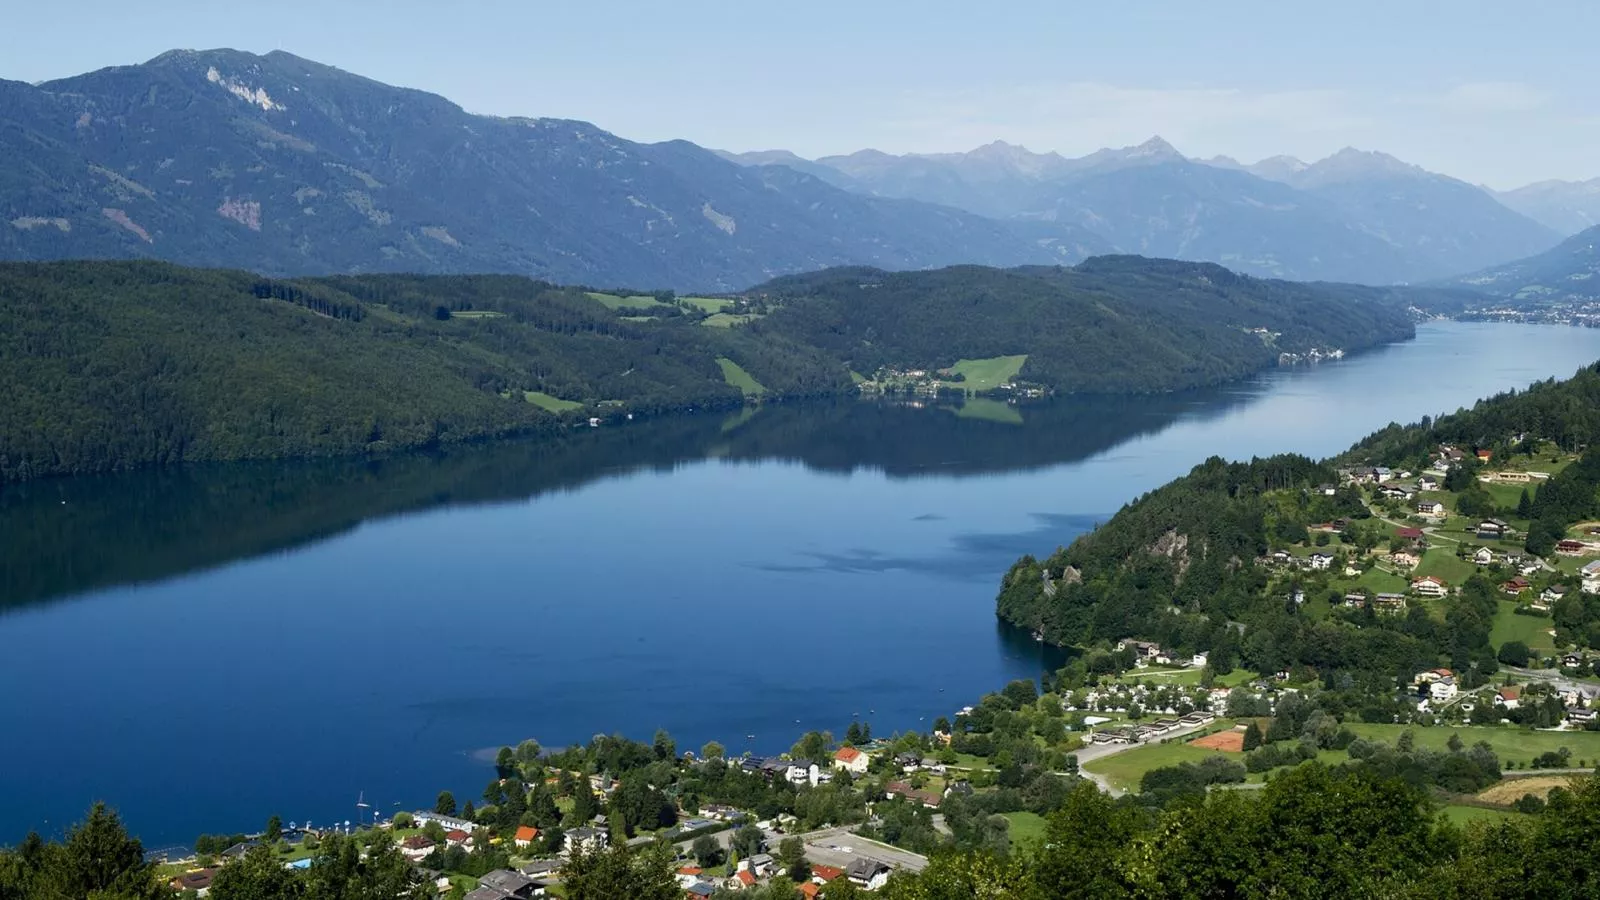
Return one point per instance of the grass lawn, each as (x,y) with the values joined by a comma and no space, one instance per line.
(1510,744)
(1381,582)
(733,374)
(1508,626)
(1466,815)
(726,320)
(1126,768)
(553,404)
(989,411)
(612,301)
(985,374)
(857,377)
(1442,562)
(1026,827)
(707,304)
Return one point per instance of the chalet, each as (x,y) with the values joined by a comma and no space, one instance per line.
(851,760)
(1581,716)
(1508,697)
(1408,534)
(1553,594)
(417,847)
(1516,586)
(525,835)
(867,873)
(1485,455)
(457,838)
(1429,676)
(1381,474)
(1483,556)
(197,880)
(541,869)
(822,874)
(1321,561)
(1397,491)
(1570,548)
(1591,577)
(908,762)
(1391,603)
(1405,559)
(1355,600)
(803,771)
(1144,649)
(1431,508)
(508,884)
(744,878)
(1430,586)
(585,837)
(1428,484)
(1492,529)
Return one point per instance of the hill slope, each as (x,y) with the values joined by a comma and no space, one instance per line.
(1112,324)
(285,166)
(1567,274)
(112,365)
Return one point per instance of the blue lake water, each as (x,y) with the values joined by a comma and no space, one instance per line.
(205,647)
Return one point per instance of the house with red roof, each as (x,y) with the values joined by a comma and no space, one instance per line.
(525,835)
(824,874)
(851,760)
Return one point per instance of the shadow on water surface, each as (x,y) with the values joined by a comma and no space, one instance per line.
(72,535)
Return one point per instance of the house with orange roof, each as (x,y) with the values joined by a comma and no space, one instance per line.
(525,835)
(744,878)
(823,874)
(851,760)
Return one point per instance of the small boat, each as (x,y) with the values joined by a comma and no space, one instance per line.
(1038,636)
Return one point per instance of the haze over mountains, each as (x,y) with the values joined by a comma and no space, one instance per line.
(1355,216)
(289,167)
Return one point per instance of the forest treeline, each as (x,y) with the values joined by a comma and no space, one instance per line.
(1111,325)
(116,365)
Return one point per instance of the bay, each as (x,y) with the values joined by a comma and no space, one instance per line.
(204,647)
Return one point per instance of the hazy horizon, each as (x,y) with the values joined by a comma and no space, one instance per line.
(1492,96)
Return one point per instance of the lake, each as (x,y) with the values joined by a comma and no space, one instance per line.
(208,646)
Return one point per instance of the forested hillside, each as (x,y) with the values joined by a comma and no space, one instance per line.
(113,365)
(1111,324)
(116,365)
(1191,564)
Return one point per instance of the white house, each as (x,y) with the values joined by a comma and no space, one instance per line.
(1198,661)
(1483,557)
(1509,697)
(1553,594)
(1443,690)
(1405,560)
(1429,586)
(1591,578)
(851,760)
(585,837)
(448,823)
(867,873)
(1321,560)
(1428,483)
(1430,508)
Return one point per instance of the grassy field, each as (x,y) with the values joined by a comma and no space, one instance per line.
(1510,744)
(985,374)
(612,301)
(1442,562)
(1508,626)
(726,320)
(1026,827)
(707,304)
(476,314)
(733,374)
(989,411)
(1381,582)
(1466,815)
(1126,768)
(547,402)
(1511,790)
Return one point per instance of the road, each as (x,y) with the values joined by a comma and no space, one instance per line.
(1095,752)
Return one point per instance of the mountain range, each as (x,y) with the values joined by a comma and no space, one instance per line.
(286,166)
(1355,216)
(1564,276)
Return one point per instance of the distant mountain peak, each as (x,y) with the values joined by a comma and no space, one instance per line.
(1156,146)
(1353,163)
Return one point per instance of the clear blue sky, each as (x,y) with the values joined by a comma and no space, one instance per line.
(1498,93)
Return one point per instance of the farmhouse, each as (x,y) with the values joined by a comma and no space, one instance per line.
(1516,586)
(1430,508)
(1389,603)
(1591,577)
(1570,548)
(1483,556)
(1508,697)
